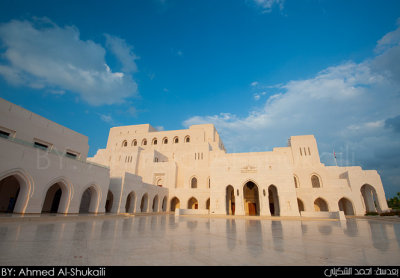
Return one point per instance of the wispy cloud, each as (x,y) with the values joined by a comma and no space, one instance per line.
(42,55)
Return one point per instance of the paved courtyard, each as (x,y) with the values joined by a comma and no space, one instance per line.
(194,240)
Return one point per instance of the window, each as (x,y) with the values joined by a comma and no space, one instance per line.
(155,141)
(165,141)
(134,143)
(40,146)
(144,142)
(193,183)
(187,139)
(296,182)
(301,152)
(309,152)
(4,134)
(315,181)
(71,154)
(124,143)
(176,140)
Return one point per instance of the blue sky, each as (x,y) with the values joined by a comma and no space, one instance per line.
(260,70)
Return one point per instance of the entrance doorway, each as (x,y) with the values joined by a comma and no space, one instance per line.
(251,199)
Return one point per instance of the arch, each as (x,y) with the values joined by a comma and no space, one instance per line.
(144,142)
(320,205)
(90,200)
(159,182)
(144,203)
(370,198)
(193,182)
(230,200)
(193,203)
(296,181)
(273,200)
(109,201)
(155,204)
(130,202)
(251,198)
(208,204)
(164,204)
(56,195)
(124,143)
(315,181)
(300,204)
(154,141)
(175,140)
(25,187)
(134,143)
(175,204)
(187,139)
(346,206)
(165,140)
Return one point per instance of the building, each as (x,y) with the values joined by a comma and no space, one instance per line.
(143,170)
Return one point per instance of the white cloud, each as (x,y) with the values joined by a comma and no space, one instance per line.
(107,118)
(40,54)
(123,52)
(352,106)
(266,6)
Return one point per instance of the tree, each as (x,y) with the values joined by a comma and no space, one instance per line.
(394,202)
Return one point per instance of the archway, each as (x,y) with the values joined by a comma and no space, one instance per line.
(346,206)
(192,203)
(109,201)
(175,203)
(320,205)
(230,200)
(251,199)
(370,198)
(273,200)
(9,192)
(89,201)
(144,202)
(300,204)
(155,204)
(208,204)
(130,202)
(164,204)
(55,195)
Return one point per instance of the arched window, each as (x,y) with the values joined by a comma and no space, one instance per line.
(144,142)
(154,141)
(165,140)
(315,181)
(134,143)
(124,143)
(193,183)
(176,140)
(187,139)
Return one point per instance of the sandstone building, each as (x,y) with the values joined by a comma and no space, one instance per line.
(44,168)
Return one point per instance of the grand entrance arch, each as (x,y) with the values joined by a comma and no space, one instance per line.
(346,206)
(175,203)
(56,199)
(370,198)
(273,200)
(89,201)
(251,199)
(193,203)
(230,200)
